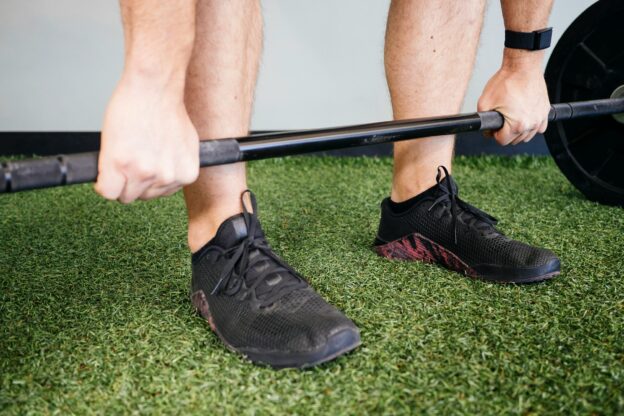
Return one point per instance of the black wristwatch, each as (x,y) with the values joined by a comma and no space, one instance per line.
(532,41)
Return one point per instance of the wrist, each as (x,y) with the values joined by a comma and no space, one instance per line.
(523,60)
(164,79)
(162,68)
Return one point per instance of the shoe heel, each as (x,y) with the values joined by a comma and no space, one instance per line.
(198,299)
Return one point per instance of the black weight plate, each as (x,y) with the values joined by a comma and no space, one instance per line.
(587,64)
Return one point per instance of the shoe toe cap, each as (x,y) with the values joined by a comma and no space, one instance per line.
(324,329)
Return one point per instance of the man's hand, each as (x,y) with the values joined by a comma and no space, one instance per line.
(520,95)
(149,146)
(518,90)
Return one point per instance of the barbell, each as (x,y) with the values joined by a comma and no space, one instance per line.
(586,68)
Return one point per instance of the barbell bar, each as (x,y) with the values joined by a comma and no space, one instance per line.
(46,172)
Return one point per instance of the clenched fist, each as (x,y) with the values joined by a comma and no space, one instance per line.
(149,146)
(520,95)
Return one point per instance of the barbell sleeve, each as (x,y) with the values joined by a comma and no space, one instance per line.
(78,168)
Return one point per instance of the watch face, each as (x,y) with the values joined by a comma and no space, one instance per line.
(542,38)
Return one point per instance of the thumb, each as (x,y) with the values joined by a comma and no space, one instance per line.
(482,105)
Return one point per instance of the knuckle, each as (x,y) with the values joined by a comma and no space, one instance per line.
(123,163)
(523,126)
(166,177)
(143,169)
(517,128)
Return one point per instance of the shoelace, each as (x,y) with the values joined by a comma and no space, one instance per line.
(470,215)
(248,254)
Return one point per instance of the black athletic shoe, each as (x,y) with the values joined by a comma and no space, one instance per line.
(438,227)
(259,306)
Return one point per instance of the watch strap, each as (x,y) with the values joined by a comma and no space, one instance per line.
(532,41)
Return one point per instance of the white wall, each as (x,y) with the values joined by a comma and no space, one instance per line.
(322,65)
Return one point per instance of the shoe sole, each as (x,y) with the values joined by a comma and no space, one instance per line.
(338,344)
(420,248)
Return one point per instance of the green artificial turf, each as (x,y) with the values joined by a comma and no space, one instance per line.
(95,315)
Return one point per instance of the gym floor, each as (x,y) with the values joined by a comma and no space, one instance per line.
(94,309)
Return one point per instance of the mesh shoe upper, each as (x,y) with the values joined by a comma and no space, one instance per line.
(459,227)
(256,301)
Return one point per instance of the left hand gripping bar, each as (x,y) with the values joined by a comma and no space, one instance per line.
(47,172)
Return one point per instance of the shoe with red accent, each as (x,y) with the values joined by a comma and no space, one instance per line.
(438,227)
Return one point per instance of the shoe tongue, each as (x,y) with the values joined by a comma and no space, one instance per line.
(442,187)
(233,230)
(465,208)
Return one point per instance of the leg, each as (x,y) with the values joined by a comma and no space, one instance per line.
(255,303)
(219,94)
(429,54)
(430,51)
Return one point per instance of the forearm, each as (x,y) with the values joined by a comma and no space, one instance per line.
(525,16)
(159,37)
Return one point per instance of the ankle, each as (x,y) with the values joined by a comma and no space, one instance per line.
(202,229)
(403,191)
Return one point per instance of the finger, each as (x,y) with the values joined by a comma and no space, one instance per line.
(542,128)
(531,132)
(171,191)
(526,136)
(133,190)
(520,138)
(532,135)
(504,136)
(110,183)
(482,106)
(520,132)
(517,139)
(158,191)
